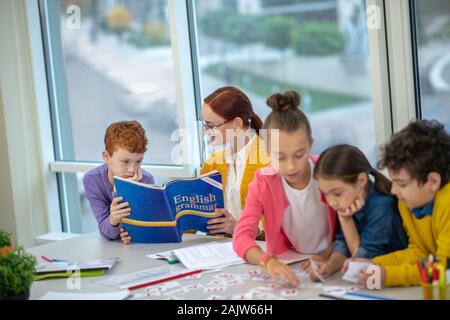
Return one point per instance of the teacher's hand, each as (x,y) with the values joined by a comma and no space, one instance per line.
(223,224)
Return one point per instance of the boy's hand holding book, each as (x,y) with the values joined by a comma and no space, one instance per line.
(118,211)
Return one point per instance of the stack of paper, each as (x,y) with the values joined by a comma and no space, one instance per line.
(98,264)
(169,255)
(63,269)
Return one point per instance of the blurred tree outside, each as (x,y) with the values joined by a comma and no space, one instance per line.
(119,20)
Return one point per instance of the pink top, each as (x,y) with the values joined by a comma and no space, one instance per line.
(266,196)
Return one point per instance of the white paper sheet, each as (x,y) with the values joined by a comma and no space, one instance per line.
(208,256)
(51,295)
(169,255)
(354,267)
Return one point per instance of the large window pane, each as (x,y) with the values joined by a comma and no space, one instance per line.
(319,48)
(432,25)
(115,64)
(107,60)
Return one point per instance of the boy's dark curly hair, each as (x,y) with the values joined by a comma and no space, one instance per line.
(420,148)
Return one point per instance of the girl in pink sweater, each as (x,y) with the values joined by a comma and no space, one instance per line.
(295,213)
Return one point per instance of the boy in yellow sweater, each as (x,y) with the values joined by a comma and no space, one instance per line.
(418,161)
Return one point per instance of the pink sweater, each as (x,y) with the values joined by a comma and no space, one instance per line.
(267,197)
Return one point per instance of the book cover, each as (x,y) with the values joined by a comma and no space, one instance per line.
(163,214)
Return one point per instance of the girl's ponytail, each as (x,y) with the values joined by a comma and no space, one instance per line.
(382,183)
(255,122)
(346,162)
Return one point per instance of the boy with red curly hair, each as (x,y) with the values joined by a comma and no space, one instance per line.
(125,145)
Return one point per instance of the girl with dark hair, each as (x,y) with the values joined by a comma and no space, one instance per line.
(368,215)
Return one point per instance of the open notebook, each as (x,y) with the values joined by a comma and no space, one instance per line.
(221,254)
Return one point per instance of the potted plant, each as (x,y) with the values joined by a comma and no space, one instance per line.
(5,242)
(16,274)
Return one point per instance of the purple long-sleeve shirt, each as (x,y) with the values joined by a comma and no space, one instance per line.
(100,194)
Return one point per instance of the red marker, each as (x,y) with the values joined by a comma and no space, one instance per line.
(164,280)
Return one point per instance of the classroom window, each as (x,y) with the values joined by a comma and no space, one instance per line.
(432,33)
(107,60)
(319,48)
(113,61)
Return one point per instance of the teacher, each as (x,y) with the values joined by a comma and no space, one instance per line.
(228,119)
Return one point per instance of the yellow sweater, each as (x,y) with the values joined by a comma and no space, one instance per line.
(257,159)
(429,235)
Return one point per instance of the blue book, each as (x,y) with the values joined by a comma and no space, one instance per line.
(163,214)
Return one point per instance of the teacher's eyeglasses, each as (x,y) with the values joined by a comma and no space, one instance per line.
(211,127)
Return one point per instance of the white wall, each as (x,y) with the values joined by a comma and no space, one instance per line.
(23,207)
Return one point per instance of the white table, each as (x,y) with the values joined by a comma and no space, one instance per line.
(133,258)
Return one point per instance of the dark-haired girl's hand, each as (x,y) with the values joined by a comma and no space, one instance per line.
(355,207)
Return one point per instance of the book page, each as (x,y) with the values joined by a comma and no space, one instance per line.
(208,256)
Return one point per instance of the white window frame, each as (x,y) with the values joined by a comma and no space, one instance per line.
(378,52)
(401,62)
(392,69)
(43,114)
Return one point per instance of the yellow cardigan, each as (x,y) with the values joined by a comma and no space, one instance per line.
(257,158)
(429,235)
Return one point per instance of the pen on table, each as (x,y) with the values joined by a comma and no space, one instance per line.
(53,260)
(316,271)
(173,261)
(422,272)
(442,280)
(164,280)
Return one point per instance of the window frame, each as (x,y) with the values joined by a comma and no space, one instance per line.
(401,62)
(39,73)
